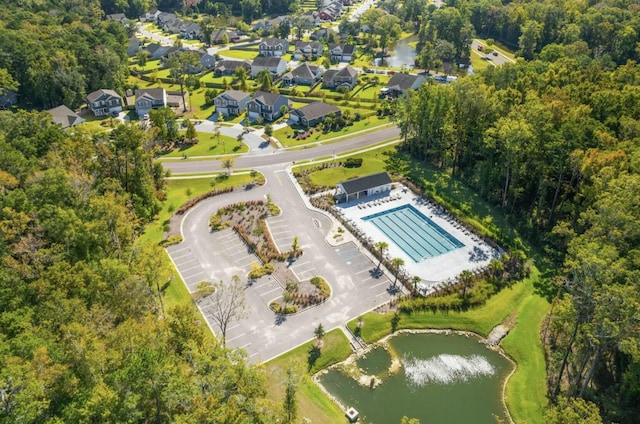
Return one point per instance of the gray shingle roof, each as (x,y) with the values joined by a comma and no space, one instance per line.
(402,82)
(356,185)
(154,93)
(267,61)
(92,97)
(316,110)
(266,98)
(235,94)
(303,71)
(347,71)
(273,41)
(63,115)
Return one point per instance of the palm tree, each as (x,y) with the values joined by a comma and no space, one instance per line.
(216,134)
(416,280)
(227,163)
(381,246)
(465,279)
(283,110)
(397,263)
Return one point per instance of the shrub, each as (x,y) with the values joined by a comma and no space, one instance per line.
(171,240)
(215,222)
(353,162)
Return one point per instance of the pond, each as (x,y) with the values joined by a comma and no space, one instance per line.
(401,55)
(437,378)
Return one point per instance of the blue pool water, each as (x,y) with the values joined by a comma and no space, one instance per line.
(417,235)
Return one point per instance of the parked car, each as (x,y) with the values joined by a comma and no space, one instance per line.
(480,47)
(495,53)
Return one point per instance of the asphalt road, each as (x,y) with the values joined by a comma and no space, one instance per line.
(283,157)
(496,60)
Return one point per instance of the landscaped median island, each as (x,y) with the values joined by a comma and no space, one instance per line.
(248,220)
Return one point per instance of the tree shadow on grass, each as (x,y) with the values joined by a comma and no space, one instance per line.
(314,354)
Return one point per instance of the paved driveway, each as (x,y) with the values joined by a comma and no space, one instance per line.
(346,267)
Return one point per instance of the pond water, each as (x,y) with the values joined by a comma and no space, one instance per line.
(442,379)
(402,54)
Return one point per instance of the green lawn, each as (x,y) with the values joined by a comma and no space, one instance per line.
(372,161)
(209,146)
(312,403)
(239,54)
(372,124)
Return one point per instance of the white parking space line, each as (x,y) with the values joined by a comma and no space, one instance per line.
(379,284)
(173,252)
(246,345)
(231,328)
(236,337)
(270,291)
(184,269)
(178,257)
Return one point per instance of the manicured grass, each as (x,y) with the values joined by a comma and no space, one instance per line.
(497,46)
(478,62)
(312,403)
(176,191)
(208,146)
(239,54)
(372,161)
(362,125)
(524,345)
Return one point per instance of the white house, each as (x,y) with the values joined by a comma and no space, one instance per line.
(104,102)
(357,188)
(273,64)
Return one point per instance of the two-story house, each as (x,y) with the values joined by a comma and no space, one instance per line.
(228,67)
(341,52)
(104,102)
(232,102)
(151,98)
(345,78)
(190,31)
(307,49)
(223,36)
(266,106)
(273,47)
(273,64)
(304,74)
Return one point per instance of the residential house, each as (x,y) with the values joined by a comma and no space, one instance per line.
(345,78)
(64,117)
(150,16)
(190,31)
(104,102)
(218,36)
(151,98)
(8,98)
(273,47)
(270,24)
(156,51)
(324,34)
(313,113)
(400,83)
(307,49)
(232,102)
(208,61)
(165,17)
(266,106)
(134,45)
(341,52)
(116,17)
(357,188)
(228,67)
(331,11)
(273,64)
(304,74)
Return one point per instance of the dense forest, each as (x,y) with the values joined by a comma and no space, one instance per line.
(84,336)
(555,143)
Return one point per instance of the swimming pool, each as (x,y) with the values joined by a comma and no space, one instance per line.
(417,235)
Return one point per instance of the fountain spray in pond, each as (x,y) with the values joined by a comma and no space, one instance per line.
(446,369)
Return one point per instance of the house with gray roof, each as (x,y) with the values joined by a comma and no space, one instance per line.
(273,47)
(228,67)
(313,114)
(341,52)
(232,102)
(151,98)
(273,64)
(116,17)
(218,36)
(64,117)
(400,83)
(345,78)
(304,74)
(266,106)
(358,188)
(307,49)
(323,34)
(104,102)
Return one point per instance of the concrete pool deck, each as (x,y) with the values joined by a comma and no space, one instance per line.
(434,271)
